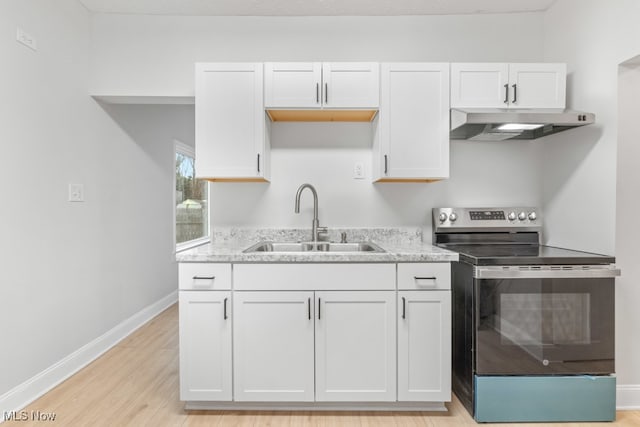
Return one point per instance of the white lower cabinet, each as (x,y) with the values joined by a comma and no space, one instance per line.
(356,346)
(273,346)
(317,333)
(424,346)
(205,345)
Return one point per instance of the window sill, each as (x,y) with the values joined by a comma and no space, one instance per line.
(180,247)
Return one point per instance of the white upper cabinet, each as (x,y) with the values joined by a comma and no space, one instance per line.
(501,85)
(293,84)
(411,135)
(231,142)
(537,85)
(351,84)
(315,85)
(479,85)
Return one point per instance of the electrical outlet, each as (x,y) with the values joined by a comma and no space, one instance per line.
(26,39)
(358,170)
(76,193)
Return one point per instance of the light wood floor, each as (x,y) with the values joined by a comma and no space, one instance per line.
(136,384)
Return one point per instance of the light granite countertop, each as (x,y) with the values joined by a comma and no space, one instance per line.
(400,245)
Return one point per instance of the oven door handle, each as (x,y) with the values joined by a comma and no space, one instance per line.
(547,272)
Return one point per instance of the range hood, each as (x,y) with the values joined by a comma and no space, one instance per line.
(499,125)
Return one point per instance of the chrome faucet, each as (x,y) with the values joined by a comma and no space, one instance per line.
(315,225)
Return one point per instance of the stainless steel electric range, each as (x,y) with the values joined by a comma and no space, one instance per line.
(533,325)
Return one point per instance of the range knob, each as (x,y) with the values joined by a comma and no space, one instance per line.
(522,216)
(532,216)
(453,216)
(442,217)
(512,216)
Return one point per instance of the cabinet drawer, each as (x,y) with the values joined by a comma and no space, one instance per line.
(204,276)
(319,277)
(424,276)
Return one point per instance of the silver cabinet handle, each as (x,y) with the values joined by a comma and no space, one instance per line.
(404,308)
(317,93)
(515,93)
(319,306)
(385,164)
(204,277)
(326,93)
(309,308)
(506,93)
(258,162)
(224,303)
(428,282)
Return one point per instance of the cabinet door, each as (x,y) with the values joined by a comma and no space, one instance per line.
(481,85)
(355,346)
(292,84)
(424,346)
(230,121)
(413,122)
(273,346)
(537,85)
(351,84)
(205,345)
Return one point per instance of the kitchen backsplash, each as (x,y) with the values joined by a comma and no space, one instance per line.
(387,235)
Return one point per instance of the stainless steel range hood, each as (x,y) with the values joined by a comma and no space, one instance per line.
(498,125)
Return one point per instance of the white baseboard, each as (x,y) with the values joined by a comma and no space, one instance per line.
(25,393)
(628,397)
(317,406)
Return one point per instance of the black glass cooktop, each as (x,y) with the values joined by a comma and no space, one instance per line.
(524,254)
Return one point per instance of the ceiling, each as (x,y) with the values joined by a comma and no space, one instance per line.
(313,7)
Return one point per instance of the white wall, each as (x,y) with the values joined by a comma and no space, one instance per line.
(142,55)
(137,54)
(72,271)
(324,155)
(627,230)
(579,183)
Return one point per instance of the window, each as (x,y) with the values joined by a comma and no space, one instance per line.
(191,201)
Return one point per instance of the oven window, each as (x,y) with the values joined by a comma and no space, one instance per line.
(538,319)
(544,326)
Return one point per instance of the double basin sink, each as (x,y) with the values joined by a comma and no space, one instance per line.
(283,247)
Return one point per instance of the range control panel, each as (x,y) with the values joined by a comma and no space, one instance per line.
(486,215)
(480,219)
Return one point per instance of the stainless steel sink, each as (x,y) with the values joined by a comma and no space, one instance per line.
(367,247)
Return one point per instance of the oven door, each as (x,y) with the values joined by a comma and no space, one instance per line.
(544,320)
